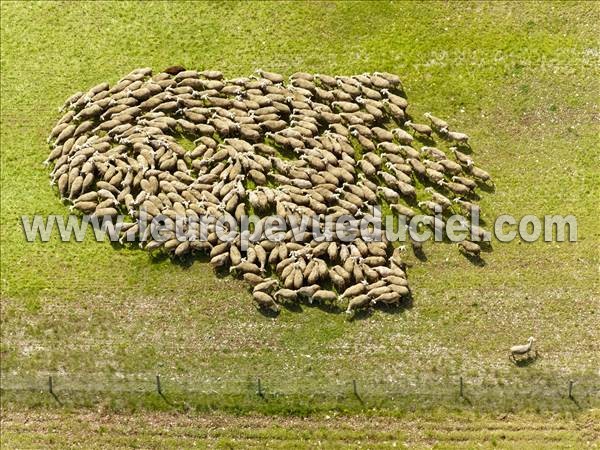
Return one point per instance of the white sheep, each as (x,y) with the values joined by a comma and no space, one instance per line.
(522,349)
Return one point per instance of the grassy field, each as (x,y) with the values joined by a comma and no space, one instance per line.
(520,78)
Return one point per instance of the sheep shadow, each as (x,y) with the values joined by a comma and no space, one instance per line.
(486,187)
(186,261)
(486,246)
(118,246)
(269,313)
(473,196)
(330,308)
(55,397)
(359,398)
(222,272)
(425,140)
(574,400)
(361,314)
(158,257)
(399,90)
(524,362)
(419,253)
(483,221)
(166,400)
(474,259)
(466,399)
(294,307)
(461,146)
(427,183)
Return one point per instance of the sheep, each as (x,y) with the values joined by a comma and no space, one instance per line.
(467,207)
(434,175)
(465,181)
(271,76)
(439,124)
(400,289)
(376,290)
(382,135)
(479,233)
(91,111)
(303,75)
(470,248)
(346,107)
(396,280)
(98,89)
(353,90)
(417,166)
(174,70)
(522,349)
(406,189)
(395,111)
(450,166)
(457,188)
(478,173)
(394,99)
(211,74)
(402,136)
(265,301)
(419,128)
(285,294)
(387,298)
(402,210)
(409,152)
(393,79)
(430,206)
(323,296)
(355,290)
(388,178)
(86,207)
(433,152)
(371,93)
(308,291)
(220,260)
(442,200)
(73,99)
(65,134)
(455,136)
(105,212)
(357,302)
(59,128)
(367,168)
(390,195)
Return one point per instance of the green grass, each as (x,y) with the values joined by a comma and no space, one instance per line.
(520,78)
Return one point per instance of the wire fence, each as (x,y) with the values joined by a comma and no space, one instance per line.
(547,393)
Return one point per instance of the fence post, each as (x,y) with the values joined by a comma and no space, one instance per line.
(158,386)
(259,388)
(354,389)
(571,389)
(51,390)
(461,387)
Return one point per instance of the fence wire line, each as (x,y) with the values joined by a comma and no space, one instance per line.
(429,388)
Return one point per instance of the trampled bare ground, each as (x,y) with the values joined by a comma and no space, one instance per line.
(99,429)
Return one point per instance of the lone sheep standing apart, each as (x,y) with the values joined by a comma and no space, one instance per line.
(522,349)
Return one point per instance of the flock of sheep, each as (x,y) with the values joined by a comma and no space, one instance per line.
(311,145)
